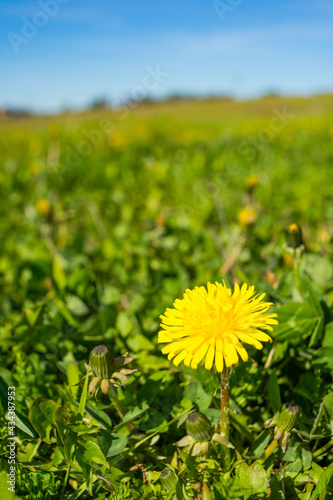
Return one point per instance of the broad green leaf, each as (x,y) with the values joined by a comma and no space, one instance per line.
(324,358)
(328,404)
(306,459)
(118,444)
(41,416)
(253,478)
(132,415)
(70,445)
(100,416)
(61,419)
(295,320)
(195,393)
(328,336)
(76,306)
(94,452)
(307,291)
(22,422)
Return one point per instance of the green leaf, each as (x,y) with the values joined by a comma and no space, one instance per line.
(328,404)
(295,320)
(253,478)
(58,272)
(321,488)
(83,398)
(6,494)
(307,291)
(61,418)
(118,444)
(94,453)
(73,378)
(306,458)
(328,336)
(41,416)
(324,358)
(86,467)
(76,306)
(260,444)
(274,392)
(295,466)
(195,393)
(318,331)
(132,415)
(70,445)
(100,416)
(22,422)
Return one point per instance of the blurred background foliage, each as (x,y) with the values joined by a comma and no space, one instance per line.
(106,217)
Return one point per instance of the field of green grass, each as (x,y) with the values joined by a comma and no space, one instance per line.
(106,218)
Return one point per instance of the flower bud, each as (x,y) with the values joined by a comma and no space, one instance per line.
(293,236)
(102,362)
(288,417)
(198,426)
(168,479)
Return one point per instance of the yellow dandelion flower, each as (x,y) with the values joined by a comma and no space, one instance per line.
(43,207)
(247,217)
(213,323)
(251,182)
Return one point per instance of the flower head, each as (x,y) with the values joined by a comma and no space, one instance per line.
(284,421)
(212,323)
(251,182)
(200,434)
(105,368)
(247,217)
(43,208)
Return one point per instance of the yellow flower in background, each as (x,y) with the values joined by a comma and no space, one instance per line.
(247,217)
(43,207)
(251,182)
(212,323)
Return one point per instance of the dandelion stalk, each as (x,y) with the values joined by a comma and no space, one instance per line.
(267,453)
(225,402)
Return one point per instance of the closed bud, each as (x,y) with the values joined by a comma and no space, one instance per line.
(288,417)
(293,236)
(198,426)
(168,479)
(102,362)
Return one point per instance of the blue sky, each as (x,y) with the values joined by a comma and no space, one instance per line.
(85,49)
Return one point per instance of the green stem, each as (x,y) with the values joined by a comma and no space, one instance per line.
(65,480)
(225,402)
(324,448)
(267,453)
(116,403)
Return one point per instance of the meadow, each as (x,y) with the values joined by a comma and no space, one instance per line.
(107,217)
